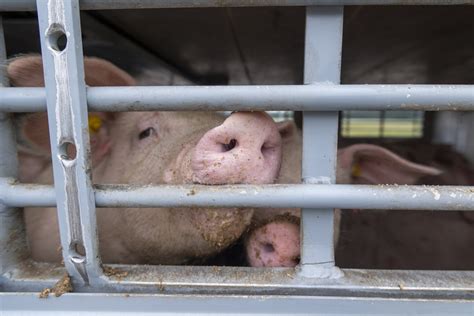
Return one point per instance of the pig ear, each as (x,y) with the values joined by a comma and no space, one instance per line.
(100,72)
(27,71)
(34,134)
(371,164)
(287,129)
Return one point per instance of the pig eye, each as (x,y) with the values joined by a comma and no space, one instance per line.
(146,133)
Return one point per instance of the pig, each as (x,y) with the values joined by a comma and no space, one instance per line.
(184,147)
(144,148)
(274,240)
(412,239)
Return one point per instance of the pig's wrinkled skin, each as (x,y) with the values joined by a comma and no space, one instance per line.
(182,147)
(275,241)
(152,147)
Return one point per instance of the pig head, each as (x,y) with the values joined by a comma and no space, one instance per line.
(150,148)
(274,240)
(182,147)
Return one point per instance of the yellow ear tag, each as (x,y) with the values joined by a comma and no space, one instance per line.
(95,123)
(356,170)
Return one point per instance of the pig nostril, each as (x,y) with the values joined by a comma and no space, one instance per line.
(231,145)
(267,247)
(265,149)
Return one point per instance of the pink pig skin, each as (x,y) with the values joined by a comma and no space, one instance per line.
(274,240)
(151,148)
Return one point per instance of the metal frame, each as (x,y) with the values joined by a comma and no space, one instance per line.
(323,45)
(314,97)
(10,218)
(316,281)
(230,305)
(317,196)
(29,5)
(67,117)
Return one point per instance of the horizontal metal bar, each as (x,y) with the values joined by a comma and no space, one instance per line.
(29,5)
(201,280)
(317,196)
(87,304)
(22,99)
(317,97)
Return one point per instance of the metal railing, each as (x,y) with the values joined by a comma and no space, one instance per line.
(68,101)
(314,97)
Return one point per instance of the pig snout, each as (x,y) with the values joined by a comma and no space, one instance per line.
(246,148)
(276,244)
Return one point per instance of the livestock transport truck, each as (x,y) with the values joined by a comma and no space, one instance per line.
(401,77)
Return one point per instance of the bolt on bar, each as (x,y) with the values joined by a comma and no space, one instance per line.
(323,45)
(10,219)
(68,129)
(315,196)
(29,5)
(315,97)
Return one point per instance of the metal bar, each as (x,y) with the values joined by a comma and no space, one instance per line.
(201,280)
(226,305)
(11,220)
(381,120)
(22,99)
(323,45)
(406,197)
(68,128)
(315,97)
(29,5)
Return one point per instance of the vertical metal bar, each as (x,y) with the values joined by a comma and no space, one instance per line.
(416,117)
(381,124)
(347,118)
(323,44)
(11,223)
(3,56)
(61,46)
